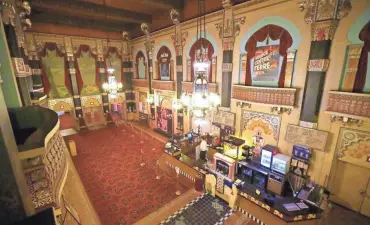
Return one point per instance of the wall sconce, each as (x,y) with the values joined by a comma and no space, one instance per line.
(150,99)
(243,104)
(281,110)
(346,120)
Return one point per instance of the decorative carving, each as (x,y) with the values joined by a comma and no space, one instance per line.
(175,16)
(46,183)
(224,118)
(227,67)
(187,87)
(323,30)
(243,104)
(21,69)
(349,137)
(320,65)
(53,102)
(226,3)
(7,13)
(280,97)
(347,104)
(281,110)
(163,85)
(321,10)
(224,30)
(179,40)
(90,99)
(272,121)
(311,138)
(140,82)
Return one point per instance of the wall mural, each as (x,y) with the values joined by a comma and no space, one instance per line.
(54,72)
(140,65)
(265,125)
(267,62)
(354,147)
(164,64)
(87,69)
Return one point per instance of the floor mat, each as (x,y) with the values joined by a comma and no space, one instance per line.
(205,210)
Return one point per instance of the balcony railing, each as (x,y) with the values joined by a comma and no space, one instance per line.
(348,104)
(140,82)
(188,87)
(274,97)
(164,85)
(41,150)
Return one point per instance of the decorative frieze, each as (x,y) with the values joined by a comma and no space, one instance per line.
(187,87)
(36,71)
(280,97)
(140,83)
(163,85)
(227,67)
(53,102)
(86,100)
(320,10)
(21,69)
(347,104)
(325,30)
(179,68)
(319,65)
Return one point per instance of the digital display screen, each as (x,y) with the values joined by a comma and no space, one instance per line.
(266,158)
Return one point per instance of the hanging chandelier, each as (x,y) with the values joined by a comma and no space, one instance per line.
(112,87)
(200,101)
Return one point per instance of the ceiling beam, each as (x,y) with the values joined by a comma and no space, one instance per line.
(90,10)
(163,4)
(62,19)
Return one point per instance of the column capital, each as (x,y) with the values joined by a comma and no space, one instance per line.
(322,10)
(324,30)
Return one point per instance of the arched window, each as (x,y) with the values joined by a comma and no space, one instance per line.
(140,66)
(164,64)
(267,56)
(361,80)
(195,48)
(113,59)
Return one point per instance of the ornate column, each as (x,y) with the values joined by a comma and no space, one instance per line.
(15,21)
(72,73)
(178,41)
(324,17)
(128,72)
(101,64)
(38,93)
(228,30)
(149,46)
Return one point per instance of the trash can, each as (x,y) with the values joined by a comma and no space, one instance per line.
(72,147)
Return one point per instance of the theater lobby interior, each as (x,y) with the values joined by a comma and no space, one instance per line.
(185,112)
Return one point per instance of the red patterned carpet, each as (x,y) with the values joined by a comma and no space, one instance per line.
(67,121)
(108,163)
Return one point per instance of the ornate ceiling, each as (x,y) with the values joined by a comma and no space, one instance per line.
(92,18)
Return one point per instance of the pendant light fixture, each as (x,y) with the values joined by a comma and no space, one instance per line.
(112,87)
(200,101)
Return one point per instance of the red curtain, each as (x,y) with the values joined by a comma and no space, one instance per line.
(106,56)
(138,55)
(86,48)
(275,33)
(360,78)
(67,80)
(196,46)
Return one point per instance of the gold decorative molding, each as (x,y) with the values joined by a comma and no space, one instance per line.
(273,97)
(52,103)
(323,30)
(227,67)
(91,100)
(319,65)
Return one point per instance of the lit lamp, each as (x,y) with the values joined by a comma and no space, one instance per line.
(150,99)
(112,86)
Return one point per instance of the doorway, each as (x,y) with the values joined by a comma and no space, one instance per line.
(350,185)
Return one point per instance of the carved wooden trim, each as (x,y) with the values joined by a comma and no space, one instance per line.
(140,82)
(349,104)
(281,97)
(163,85)
(187,87)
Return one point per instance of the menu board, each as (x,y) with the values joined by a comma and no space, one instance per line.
(311,138)
(225,118)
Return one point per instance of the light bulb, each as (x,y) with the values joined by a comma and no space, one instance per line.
(111,70)
(105,86)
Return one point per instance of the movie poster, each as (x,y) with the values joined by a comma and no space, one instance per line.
(266,64)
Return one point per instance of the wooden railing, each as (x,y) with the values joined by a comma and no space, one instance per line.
(164,85)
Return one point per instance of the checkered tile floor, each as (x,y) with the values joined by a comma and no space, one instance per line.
(205,210)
